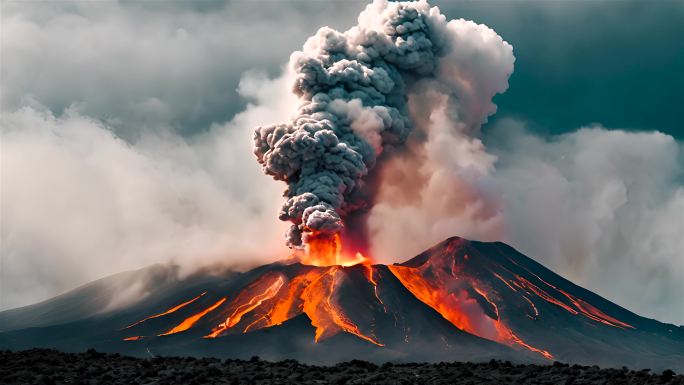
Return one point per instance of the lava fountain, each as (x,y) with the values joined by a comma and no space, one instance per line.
(326,250)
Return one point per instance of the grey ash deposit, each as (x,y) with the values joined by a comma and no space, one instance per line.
(44,366)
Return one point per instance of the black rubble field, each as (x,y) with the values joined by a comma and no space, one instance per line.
(43,366)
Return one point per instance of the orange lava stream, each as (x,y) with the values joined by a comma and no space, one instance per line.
(597,315)
(242,308)
(190,321)
(505,332)
(518,341)
(324,315)
(369,276)
(291,304)
(287,306)
(134,338)
(311,293)
(484,295)
(453,309)
(173,309)
(582,306)
(536,311)
(504,281)
(432,296)
(523,283)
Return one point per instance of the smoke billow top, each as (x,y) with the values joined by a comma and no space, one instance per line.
(354,89)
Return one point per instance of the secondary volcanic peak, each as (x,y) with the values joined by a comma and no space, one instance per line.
(489,293)
(461,300)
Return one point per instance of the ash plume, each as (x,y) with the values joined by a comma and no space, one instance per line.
(354,89)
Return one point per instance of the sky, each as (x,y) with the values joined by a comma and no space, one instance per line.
(126,134)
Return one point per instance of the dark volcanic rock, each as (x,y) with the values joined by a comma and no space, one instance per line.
(42,366)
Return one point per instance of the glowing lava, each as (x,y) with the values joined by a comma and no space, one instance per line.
(326,250)
(269,302)
(192,320)
(172,310)
(273,299)
(325,315)
(577,306)
(369,276)
(450,306)
(249,300)
(463,289)
(459,307)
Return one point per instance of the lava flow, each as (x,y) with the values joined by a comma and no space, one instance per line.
(577,306)
(262,290)
(172,310)
(273,299)
(192,320)
(460,308)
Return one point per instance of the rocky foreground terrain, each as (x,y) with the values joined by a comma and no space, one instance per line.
(43,366)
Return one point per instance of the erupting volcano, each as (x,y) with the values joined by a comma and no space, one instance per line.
(275,298)
(460,300)
(407,84)
(446,281)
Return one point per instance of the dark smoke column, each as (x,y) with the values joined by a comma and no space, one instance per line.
(353,91)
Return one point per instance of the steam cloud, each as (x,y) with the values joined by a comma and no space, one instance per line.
(355,88)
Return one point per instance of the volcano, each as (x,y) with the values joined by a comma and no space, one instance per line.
(460,300)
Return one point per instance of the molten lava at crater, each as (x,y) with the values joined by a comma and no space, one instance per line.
(326,250)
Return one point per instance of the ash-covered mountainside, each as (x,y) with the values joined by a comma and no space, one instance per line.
(458,301)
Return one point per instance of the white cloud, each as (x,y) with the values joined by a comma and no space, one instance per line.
(79,203)
(605,208)
(142,66)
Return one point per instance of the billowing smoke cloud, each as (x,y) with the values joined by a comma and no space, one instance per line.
(355,89)
(441,184)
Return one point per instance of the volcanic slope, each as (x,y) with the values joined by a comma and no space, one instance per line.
(460,300)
